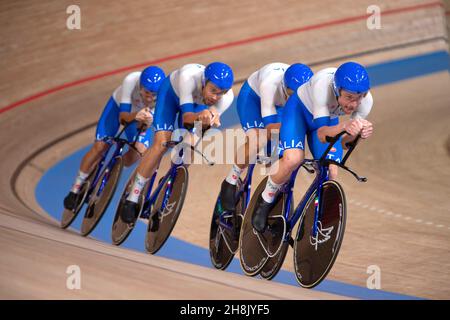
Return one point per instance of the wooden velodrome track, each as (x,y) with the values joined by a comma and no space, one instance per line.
(406,161)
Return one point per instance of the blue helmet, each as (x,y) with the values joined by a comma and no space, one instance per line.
(220,74)
(296,75)
(151,78)
(351,77)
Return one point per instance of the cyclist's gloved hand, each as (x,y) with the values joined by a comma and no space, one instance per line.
(145,117)
(367,129)
(353,127)
(215,121)
(205,117)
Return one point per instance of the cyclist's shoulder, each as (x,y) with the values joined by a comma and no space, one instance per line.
(191,68)
(132,77)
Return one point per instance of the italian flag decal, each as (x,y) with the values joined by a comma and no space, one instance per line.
(316,201)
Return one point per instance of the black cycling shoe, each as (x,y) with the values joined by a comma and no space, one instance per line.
(228,196)
(129,212)
(259,218)
(71,201)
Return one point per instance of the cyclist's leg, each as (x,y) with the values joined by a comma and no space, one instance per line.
(154,154)
(107,125)
(249,111)
(167,107)
(164,121)
(292,142)
(292,138)
(318,148)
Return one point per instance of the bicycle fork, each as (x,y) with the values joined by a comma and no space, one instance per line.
(323,176)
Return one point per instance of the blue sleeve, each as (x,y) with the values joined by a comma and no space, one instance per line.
(200,107)
(275,118)
(125,107)
(187,107)
(321,122)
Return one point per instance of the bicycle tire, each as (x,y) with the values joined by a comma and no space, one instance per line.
(154,240)
(252,255)
(120,230)
(222,244)
(98,206)
(274,264)
(312,265)
(68,216)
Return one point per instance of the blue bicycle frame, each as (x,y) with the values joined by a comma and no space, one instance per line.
(150,198)
(322,175)
(120,143)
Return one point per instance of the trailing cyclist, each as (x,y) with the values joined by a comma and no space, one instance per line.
(133,100)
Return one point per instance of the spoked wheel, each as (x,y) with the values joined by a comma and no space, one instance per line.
(121,230)
(224,232)
(255,249)
(69,216)
(166,210)
(315,255)
(101,196)
(277,223)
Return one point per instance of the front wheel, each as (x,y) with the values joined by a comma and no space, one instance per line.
(68,216)
(255,248)
(101,196)
(166,209)
(121,230)
(273,265)
(224,232)
(314,255)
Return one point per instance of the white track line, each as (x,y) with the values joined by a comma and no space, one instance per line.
(395,215)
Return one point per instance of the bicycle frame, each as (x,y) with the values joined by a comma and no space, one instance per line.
(120,144)
(150,197)
(322,175)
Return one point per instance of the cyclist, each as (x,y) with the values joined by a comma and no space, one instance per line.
(134,99)
(314,111)
(194,93)
(259,106)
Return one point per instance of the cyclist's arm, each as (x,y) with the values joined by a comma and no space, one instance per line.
(221,106)
(128,85)
(186,87)
(126,117)
(364,108)
(269,113)
(224,103)
(330,131)
(360,114)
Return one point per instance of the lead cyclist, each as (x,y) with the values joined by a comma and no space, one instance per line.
(259,105)
(314,112)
